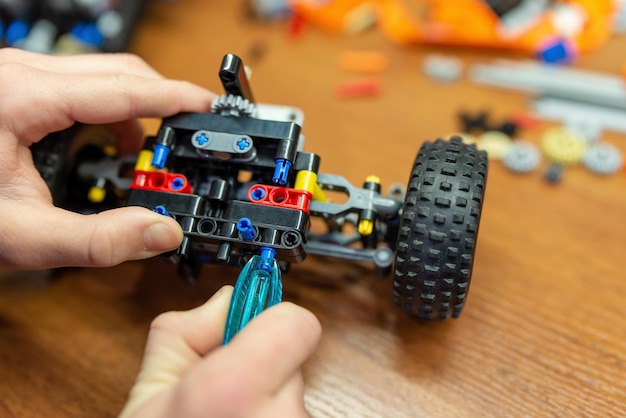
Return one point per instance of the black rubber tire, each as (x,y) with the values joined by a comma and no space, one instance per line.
(439,228)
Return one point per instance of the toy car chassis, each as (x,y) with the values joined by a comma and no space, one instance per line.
(238,183)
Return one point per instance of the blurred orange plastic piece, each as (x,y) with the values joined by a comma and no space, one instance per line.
(331,16)
(473,23)
(368,62)
(468,23)
(358,88)
(525,120)
(297,25)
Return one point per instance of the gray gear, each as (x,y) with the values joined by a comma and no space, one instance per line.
(230,105)
(603,158)
(522,157)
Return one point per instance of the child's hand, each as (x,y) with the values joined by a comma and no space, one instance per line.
(186,371)
(43,94)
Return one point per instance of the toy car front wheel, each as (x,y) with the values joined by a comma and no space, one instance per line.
(439,228)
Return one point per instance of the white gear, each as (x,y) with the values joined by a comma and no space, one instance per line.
(231,105)
(496,144)
(603,158)
(522,157)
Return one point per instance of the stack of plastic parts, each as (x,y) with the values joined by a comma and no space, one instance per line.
(554,30)
(497,140)
(67,27)
(586,101)
(517,155)
(564,147)
(339,16)
(561,147)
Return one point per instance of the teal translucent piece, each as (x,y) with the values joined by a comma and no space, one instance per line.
(258,287)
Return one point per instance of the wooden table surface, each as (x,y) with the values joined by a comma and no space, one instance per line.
(542,334)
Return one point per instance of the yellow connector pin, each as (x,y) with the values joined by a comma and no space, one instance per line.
(307,180)
(96,194)
(372,179)
(144,161)
(366,227)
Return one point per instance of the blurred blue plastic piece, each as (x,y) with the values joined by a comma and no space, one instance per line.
(160,209)
(556,52)
(17,31)
(258,287)
(88,33)
(271,9)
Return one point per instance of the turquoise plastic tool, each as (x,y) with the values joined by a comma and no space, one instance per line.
(258,287)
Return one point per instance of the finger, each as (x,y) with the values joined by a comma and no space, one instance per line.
(271,348)
(46,102)
(113,63)
(129,134)
(201,329)
(177,340)
(289,400)
(54,237)
(226,396)
(285,328)
(254,367)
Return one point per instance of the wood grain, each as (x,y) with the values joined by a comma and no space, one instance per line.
(542,334)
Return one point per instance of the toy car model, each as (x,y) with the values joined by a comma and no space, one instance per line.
(240,185)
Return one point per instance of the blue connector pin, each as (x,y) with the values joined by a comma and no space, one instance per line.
(160,209)
(161,152)
(245,228)
(281,171)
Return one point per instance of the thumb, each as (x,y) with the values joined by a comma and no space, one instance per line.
(54,237)
(176,342)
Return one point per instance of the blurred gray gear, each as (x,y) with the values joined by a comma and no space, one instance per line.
(230,105)
(603,158)
(522,157)
(590,132)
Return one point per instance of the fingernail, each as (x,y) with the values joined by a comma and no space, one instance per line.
(220,293)
(160,237)
(221,297)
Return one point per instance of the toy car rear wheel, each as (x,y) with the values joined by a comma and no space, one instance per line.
(438,229)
